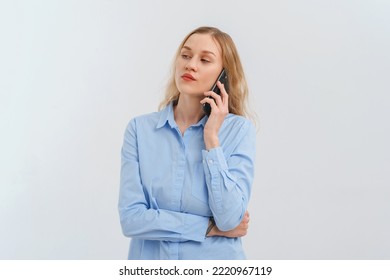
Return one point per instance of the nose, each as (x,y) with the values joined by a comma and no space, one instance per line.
(191,65)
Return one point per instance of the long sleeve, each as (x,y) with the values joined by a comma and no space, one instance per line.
(140,214)
(229,173)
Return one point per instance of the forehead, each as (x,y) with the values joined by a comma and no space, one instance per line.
(203,43)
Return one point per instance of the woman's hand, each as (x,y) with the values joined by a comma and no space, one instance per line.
(219,110)
(239,231)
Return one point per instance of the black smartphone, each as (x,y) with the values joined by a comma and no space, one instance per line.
(223,78)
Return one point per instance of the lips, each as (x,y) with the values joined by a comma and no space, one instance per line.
(188,77)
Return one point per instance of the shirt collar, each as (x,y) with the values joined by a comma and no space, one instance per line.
(168,117)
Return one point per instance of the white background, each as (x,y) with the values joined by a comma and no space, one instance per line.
(73,73)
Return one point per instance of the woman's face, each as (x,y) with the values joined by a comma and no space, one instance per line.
(198,65)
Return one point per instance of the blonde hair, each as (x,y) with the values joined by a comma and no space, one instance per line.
(238,88)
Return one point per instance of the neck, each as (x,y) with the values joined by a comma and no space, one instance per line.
(187,112)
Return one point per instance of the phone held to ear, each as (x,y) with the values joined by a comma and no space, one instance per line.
(223,78)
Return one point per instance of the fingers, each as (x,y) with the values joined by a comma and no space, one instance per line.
(220,100)
(224,94)
(245,221)
(210,101)
(246,216)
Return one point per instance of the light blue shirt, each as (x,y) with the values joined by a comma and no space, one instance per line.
(170,186)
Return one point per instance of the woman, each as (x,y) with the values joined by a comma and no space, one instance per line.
(185,176)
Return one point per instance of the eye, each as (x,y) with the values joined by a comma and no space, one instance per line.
(185,56)
(205,60)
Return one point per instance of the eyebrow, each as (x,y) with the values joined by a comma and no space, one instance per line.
(205,51)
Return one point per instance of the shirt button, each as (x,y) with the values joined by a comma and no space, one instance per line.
(210,161)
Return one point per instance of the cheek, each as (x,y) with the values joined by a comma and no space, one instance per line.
(210,79)
(208,84)
(180,64)
(177,73)
(177,81)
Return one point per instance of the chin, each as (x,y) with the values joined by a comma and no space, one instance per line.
(189,90)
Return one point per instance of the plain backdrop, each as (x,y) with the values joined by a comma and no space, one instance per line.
(73,73)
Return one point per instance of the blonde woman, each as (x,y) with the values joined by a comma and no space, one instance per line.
(186,176)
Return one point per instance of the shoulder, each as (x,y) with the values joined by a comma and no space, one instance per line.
(238,123)
(237,133)
(235,129)
(145,122)
(153,120)
(145,119)
(148,118)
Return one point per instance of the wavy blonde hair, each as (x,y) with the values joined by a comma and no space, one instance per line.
(238,88)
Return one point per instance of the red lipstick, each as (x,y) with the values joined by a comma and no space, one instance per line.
(188,77)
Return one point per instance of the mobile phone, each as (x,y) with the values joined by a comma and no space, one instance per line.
(223,78)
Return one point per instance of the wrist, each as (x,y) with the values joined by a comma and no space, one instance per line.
(211,141)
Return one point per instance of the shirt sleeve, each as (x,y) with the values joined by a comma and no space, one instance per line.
(229,178)
(140,216)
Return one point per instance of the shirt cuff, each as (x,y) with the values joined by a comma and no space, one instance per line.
(195,228)
(214,159)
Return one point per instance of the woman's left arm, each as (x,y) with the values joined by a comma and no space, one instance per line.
(228,177)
